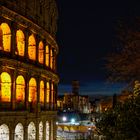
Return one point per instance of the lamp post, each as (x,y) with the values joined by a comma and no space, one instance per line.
(64,119)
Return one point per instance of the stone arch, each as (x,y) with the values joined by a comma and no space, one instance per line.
(51,58)
(59,128)
(5,82)
(47,130)
(42,92)
(47,56)
(5,33)
(19,132)
(20,89)
(20,43)
(48,92)
(41,130)
(4,132)
(41,52)
(52,92)
(31,131)
(66,128)
(32,90)
(32,47)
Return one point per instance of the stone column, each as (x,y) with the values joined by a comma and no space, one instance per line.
(45,95)
(26,43)
(38,96)
(13,38)
(37,48)
(26,132)
(12,134)
(44,130)
(27,92)
(37,129)
(13,90)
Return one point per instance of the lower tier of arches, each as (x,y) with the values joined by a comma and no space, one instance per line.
(27,126)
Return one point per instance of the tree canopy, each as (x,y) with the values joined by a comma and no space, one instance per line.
(122,122)
(123,65)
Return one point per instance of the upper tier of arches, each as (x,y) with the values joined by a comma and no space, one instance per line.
(27,46)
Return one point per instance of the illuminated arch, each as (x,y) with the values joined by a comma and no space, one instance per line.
(52,92)
(41,92)
(1,44)
(41,52)
(20,88)
(31,131)
(20,42)
(19,132)
(6,37)
(47,130)
(51,58)
(47,56)
(5,95)
(4,132)
(32,47)
(59,128)
(73,129)
(41,130)
(48,92)
(32,90)
(66,128)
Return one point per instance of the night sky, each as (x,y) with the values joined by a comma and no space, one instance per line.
(85,35)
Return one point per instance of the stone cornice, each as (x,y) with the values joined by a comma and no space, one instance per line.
(31,69)
(23,21)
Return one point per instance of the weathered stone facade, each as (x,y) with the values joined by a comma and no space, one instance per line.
(28,76)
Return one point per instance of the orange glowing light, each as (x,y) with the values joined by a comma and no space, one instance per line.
(6,37)
(32,47)
(47,56)
(20,88)
(48,93)
(20,40)
(32,90)
(5,94)
(41,92)
(41,52)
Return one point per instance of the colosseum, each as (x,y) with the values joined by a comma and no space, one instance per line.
(28,76)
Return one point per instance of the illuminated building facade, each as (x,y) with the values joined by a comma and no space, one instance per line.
(28,79)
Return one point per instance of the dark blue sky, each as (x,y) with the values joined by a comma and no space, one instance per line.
(85,34)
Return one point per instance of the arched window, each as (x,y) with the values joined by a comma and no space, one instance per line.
(4,132)
(19,132)
(20,88)
(6,37)
(51,58)
(47,130)
(41,53)
(47,56)
(5,94)
(52,92)
(1,44)
(40,131)
(32,47)
(20,42)
(31,131)
(32,90)
(41,92)
(48,93)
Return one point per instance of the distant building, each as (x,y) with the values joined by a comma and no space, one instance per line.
(74,101)
(109,102)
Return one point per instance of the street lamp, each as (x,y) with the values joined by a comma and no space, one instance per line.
(64,119)
(72,121)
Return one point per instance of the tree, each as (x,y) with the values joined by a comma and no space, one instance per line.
(122,122)
(123,65)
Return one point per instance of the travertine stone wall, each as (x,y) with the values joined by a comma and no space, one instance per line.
(42,12)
